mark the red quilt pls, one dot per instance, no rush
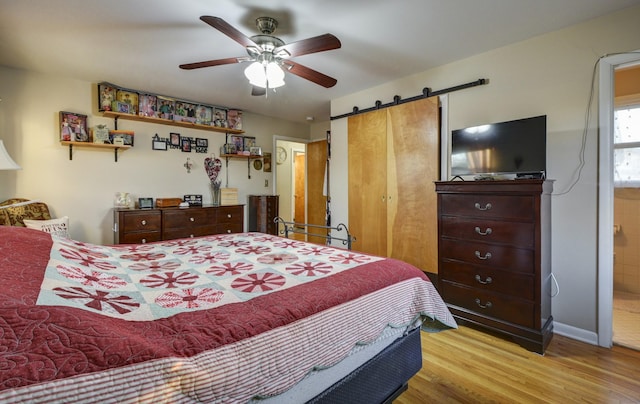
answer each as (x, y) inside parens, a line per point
(47, 347)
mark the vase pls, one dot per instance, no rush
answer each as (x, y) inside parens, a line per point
(215, 195)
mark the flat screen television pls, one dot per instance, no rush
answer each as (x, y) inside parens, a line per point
(514, 147)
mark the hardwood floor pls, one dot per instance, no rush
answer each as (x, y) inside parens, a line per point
(470, 366)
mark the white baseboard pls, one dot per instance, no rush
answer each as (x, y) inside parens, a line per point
(579, 334)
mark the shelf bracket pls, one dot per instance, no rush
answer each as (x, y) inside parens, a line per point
(70, 152)
(115, 123)
(227, 172)
(115, 151)
(249, 168)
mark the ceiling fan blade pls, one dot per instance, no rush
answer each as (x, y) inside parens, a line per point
(224, 27)
(319, 43)
(209, 63)
(255, 90)
(310, 74)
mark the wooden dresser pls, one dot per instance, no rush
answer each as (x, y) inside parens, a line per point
(494, 256)
(135, 226)
(263, 209)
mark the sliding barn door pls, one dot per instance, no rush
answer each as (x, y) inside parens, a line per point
(413, 130)
(316, 199)
(367, 143)
(393, 163)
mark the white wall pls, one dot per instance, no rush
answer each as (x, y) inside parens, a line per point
(84, 188)
(551, 75)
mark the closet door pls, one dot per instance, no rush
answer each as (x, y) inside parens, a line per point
(316, 199)
(413, 164)
(367, 143)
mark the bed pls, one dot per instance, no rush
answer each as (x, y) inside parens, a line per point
(234, 318)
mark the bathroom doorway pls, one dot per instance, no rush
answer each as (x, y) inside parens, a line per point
(626, 205)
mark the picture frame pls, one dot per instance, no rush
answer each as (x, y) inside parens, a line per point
(166, 107)
(228, 148)
(186, 144)
(266, 162)
(248, 142)
(128, 97)
(145, 203)
(238, 141)
(234, 119)
(193, 200)
(106, 95)
(73, 127)
(158, 144)
(204, 115)
(148, 105)
(174, 139)
(255, 151)
(202, 145)
(121, 107)
(219, 117)
(126, 137)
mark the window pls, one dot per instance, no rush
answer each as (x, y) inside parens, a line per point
(626, 144)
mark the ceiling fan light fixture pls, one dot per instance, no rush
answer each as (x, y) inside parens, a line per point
(265, 75)
(256, 75)
(275, 75)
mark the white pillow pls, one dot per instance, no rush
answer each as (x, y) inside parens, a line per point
(55, 227)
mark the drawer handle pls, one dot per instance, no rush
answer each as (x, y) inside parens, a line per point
(485, 257)
(192, 219)
(483, 306)
(144, 240)
(229, 231)
(484, 233)
(486, 207)
(229, 215)
(484, 282)
(191, 235)
(144, 222)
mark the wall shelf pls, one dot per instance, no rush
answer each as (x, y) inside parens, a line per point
(114, 147)
(239, 157)
(162, 121)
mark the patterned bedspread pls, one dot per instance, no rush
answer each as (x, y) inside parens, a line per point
(215, 319)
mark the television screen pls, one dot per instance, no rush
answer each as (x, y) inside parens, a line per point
(514, 147)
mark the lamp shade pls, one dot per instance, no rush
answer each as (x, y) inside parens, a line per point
(6, 162)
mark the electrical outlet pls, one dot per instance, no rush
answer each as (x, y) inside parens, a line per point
(266, 183)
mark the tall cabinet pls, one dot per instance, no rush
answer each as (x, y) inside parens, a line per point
(263, 209)
(393, 162)
(495, 256)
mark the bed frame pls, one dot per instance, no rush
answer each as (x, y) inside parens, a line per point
(287, 228)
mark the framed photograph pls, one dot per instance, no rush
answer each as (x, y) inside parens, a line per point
(73, 127)
(234, 119)
(145, 203)
(266, 162)
(158, 144)
(220, 117)
(122, 107)
(193, 200)
(204, 115)
(128, 97)
(186, 144)
(101, 134)
(106, 96)
(202, 145)
(122, 137)
(148, 105)
(248, 142)
(174, 139)
(255, 151)
(166, 107)
(238, 141)
(228, 148)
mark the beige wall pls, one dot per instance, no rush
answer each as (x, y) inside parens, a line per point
(550, 74)
(84, 188)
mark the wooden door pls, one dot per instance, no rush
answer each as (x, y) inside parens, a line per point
(367, 163)
(413, 132)
(316, 199)
(299, 188)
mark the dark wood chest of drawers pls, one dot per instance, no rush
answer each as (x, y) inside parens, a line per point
(135, 226)
(494, 245)
(263, 209)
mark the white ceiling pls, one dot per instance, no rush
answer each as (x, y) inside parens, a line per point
(140, 43)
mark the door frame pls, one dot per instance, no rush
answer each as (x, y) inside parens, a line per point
(274, 165)
(608, 64)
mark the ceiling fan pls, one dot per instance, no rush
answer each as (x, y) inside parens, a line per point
(270, 56)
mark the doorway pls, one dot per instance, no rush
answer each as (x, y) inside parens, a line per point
(606, 205)
(290, 179)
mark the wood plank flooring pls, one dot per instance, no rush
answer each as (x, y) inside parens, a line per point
(470, 366)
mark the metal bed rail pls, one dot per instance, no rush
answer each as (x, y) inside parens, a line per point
(297, 228)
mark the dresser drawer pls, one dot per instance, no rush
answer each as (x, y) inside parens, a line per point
(230, 214)
(488, 206)
(187, 217)
(228, 228)
(515, 284)
(520, 234)
(140, 237)
(186, 232)
(140, 221)
(495, 305)
(498, 256)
